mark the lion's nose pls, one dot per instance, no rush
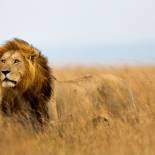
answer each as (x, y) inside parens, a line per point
(6, 72)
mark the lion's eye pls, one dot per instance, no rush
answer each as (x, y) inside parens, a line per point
(3, 61)
(16, 61)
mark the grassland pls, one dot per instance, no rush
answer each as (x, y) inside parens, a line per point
(71, 137)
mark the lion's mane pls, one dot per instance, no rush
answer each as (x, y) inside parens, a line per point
(32, 95)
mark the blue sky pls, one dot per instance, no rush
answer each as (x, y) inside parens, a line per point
(83, 31)
(105, 54)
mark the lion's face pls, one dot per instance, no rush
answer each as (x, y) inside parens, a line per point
(12, 68)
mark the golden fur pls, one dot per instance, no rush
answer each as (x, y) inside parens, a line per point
(26, 83)
(95, 98)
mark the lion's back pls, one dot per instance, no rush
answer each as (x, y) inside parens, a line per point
(102, 95)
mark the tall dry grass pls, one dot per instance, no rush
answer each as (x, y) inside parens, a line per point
(70, 136)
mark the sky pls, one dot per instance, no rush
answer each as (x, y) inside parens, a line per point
(83, 31)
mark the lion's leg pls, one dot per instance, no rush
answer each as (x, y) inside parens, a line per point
(53, 110)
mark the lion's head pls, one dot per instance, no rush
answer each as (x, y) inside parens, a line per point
(26, 83)
(21, 65)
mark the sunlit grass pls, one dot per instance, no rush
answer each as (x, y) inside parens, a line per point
(73, 135)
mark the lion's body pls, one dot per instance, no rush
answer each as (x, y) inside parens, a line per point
(26, 83)
(90, 97)
(27, 90)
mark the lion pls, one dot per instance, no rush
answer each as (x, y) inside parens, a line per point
(27, 86)
(98, 98)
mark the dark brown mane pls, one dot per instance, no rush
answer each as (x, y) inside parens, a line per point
(36, 94)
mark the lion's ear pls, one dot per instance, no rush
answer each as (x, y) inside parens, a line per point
(1, 51)
(33, 56)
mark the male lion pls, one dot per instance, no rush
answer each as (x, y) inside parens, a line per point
(26, 83)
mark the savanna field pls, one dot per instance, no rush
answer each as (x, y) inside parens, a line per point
(76, 136)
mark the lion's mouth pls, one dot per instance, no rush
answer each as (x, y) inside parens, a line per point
(8, 80)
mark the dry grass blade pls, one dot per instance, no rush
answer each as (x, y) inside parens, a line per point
(73, 135)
